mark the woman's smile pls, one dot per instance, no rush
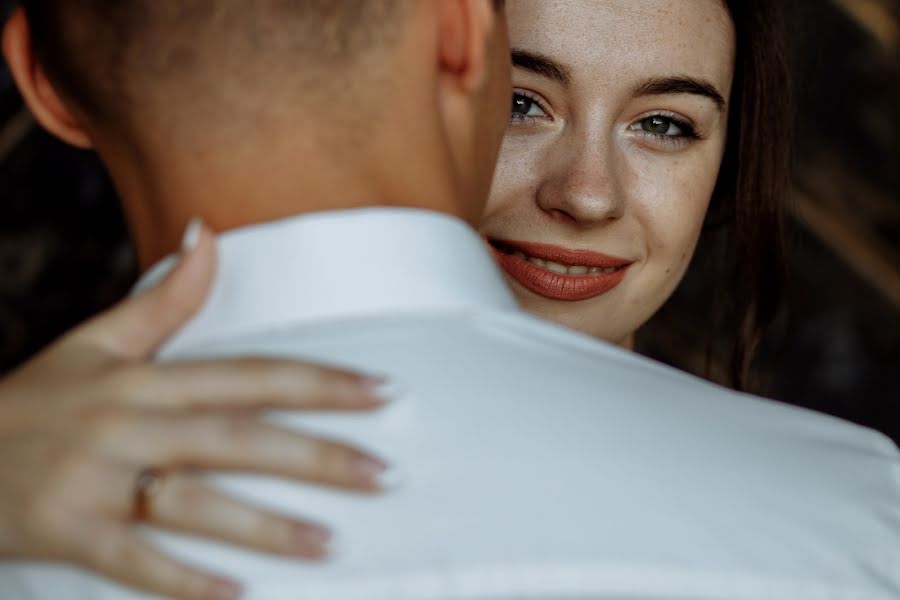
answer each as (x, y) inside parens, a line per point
(616, 133)
(558, 273)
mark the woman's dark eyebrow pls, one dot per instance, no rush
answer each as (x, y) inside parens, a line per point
(680, 85)
(542, 65)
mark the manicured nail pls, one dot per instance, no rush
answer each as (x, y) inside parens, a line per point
(192, 235)
(226, 590)
(313, 537)
(378, 474)
(333, 549)
(386, 390)
(391, 478)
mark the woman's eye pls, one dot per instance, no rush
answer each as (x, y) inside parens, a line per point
(523, 106)
(658, 125)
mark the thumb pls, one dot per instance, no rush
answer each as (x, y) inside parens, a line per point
(138, 326)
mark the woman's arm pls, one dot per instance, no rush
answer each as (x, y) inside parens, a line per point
(83, 420)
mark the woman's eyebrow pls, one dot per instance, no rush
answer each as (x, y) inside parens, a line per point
(542, 65)
(680, 85)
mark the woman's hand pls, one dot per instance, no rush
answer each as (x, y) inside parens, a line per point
(81, 421)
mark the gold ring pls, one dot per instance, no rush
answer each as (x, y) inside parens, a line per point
(146, 485)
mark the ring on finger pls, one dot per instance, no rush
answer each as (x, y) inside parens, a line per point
(146, 486)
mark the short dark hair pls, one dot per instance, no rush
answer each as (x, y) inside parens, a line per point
(110, 57)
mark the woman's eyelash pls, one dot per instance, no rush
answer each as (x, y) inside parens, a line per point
(688, 133)
(686, 128)
(534, 99)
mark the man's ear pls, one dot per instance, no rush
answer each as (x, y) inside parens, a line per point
(465, 30)
(37, 91)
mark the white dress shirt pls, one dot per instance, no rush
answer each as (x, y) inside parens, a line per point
(538, 463)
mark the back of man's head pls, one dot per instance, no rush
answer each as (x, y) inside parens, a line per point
(241, 111)
(146, 64)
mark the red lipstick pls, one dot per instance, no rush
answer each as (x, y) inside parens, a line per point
(559, 273)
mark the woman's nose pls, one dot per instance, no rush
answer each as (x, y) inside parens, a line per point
(583, 188)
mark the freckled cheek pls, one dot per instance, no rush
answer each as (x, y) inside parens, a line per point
(517, 175)
(670, 202)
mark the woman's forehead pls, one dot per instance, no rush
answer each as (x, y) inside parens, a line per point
(600, 38)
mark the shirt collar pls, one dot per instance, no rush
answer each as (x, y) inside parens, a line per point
(341, 265)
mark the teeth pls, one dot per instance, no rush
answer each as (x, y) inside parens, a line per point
(563, 269)
(557, 268)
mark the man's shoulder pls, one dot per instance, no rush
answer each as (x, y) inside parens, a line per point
(595, 360)
(592, 451)
(512, 352)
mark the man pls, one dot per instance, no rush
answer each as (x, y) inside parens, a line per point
(539, 464)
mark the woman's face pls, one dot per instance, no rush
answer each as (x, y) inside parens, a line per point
(615, 139)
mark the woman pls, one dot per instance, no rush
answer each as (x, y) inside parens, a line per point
(617, 133)
(628, 120)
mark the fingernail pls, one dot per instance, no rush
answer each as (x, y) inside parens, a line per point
(391, 478)
(191, 235)
(313, 537)
(226, 590)
(378, 474)
(333, 549)
(386, 390)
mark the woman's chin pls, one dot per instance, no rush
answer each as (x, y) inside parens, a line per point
(578, 316)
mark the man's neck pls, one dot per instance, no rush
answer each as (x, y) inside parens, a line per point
(251, 187)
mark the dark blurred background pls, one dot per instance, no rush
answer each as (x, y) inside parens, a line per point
(65, 252)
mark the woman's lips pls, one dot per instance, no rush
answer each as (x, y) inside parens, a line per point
(558, 273)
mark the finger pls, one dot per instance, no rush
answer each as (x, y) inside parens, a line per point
(117, 552)
(245, 384)
(138, 326)
(185, 504)
(215, 442)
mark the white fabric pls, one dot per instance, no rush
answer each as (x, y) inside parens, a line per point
(538, 463)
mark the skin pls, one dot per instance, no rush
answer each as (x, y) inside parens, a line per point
(79, 420)
(579, 171)
(581, 176)
(440, 111)
(94, 409)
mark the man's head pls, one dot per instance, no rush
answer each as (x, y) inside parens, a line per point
(184, 96)
(190, 63)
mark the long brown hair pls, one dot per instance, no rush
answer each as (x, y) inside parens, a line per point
(754, 182)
